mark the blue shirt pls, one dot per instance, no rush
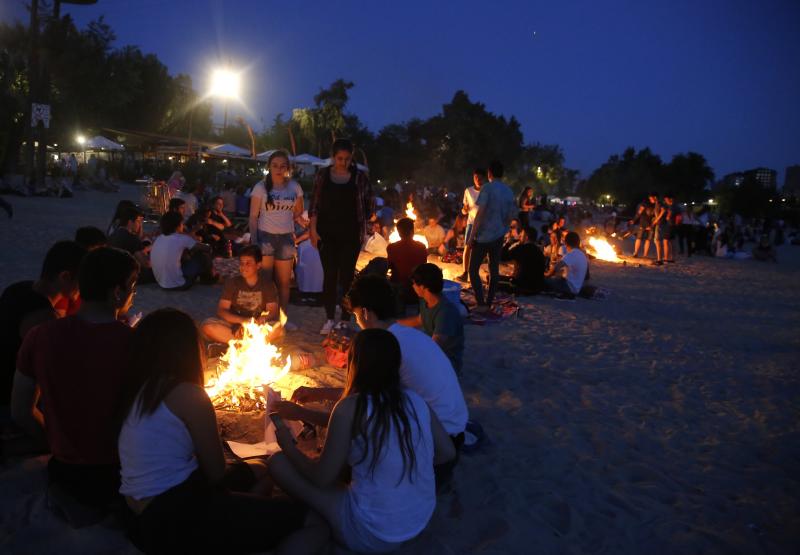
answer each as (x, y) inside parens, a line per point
(498, 206)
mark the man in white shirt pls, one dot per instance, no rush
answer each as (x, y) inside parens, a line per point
(470, 209)
(177, 259)
(573, 268)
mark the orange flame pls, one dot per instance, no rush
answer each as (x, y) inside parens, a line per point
(603, 250)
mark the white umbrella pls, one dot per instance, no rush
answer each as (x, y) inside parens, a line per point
(306, 159)
(99, 142)
(229, 150)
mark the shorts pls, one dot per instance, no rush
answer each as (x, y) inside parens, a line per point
(670, 233)
(468, 234)
(278, 245)
(643, 234)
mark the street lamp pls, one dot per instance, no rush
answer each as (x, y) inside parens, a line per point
(81, 140)
(225, 84)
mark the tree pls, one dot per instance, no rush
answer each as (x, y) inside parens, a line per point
(321, 124)
(688, 176)
(626, 179)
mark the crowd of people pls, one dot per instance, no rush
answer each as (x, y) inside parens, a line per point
(120, 404)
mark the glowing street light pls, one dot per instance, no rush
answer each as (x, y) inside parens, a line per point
(81, 140)
(225, 84)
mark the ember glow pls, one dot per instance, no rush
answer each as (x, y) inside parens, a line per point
(603, 250)
(410, 211)
(249, 364)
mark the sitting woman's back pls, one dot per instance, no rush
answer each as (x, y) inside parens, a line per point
(394, 499)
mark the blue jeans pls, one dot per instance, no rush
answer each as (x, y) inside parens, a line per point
(479, 252)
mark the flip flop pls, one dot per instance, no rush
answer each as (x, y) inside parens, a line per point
(474, 437)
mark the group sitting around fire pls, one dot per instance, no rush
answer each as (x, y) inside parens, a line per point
(139, 439)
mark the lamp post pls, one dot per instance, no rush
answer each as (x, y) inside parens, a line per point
(81, 140)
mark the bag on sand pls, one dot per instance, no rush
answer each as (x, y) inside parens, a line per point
(337, 343)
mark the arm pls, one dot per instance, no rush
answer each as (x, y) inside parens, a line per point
(443, 448)
(191, 404)
(24, 412)
(326, 470)
(477, 223)
(224, 312)
(411, 321)
(319, 394)
(293, 411)
(313, 207)
(556, 268)
(142, 258)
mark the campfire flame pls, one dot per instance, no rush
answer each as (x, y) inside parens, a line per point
(411, 214)
(603, 250)
(249, 364)
(410, 211)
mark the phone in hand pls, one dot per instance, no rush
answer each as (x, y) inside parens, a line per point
(277, 420)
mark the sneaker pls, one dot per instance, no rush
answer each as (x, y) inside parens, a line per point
(290, 326)
(565, 297)
(657, 263)
(327, 327)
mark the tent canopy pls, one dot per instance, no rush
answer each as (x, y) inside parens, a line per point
(98, 142)
(228, 150)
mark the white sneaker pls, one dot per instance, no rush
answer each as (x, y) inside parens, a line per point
(290, 326)
(327, 327)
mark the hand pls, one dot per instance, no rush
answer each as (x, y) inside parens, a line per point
(314, 238)
(304, 394)
(287, 410)
(284, 436)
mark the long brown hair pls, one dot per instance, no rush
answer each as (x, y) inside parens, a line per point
(165, 352)
(373, 375)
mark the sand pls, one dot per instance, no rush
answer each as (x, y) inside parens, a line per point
(663, 419)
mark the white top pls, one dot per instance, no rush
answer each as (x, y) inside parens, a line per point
(165, 258)
(428, 372)
(156, 453)
(470, 198)
(308, 271)
(394, 506)
(278, 218)
(576, 266)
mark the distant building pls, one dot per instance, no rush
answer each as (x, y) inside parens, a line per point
(767, 177)
(733, 179)
(791, 184)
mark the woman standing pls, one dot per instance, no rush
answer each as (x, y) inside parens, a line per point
(341, 206)
(389, 438)
(274, 205)
(526, 206)
(173, 472)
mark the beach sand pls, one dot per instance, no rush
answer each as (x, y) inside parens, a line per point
(663, 419)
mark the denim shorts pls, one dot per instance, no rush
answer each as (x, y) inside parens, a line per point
(279, 245)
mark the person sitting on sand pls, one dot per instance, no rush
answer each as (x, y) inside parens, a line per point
(173, 472)
(389, 439)
(69, 379)
(250, 295)
(405, 255)
(90, 238)
(572, 267)
(26, 304)
(425, 369)
(529, 267)
(121, 208)
(127, 237)
(434, 234)
(764, 250)
(438, 317)
(177, 259)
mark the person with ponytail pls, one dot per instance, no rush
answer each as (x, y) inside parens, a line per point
(390, 439)
(274, 205)
(341, 206)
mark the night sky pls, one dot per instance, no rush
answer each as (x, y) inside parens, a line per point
(720, 77)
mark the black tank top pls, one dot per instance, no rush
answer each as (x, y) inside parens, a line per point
(337, 215)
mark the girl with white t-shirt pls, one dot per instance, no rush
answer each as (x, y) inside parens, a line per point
(389, 438)
(275, 203)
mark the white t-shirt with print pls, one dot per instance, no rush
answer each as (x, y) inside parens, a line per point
(470, 198)
(278, 218)
(165, 258)
(427, 371)
(576, 266)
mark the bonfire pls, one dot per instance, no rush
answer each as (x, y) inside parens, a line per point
(411, 214)
(250, 364)
(602, 250)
